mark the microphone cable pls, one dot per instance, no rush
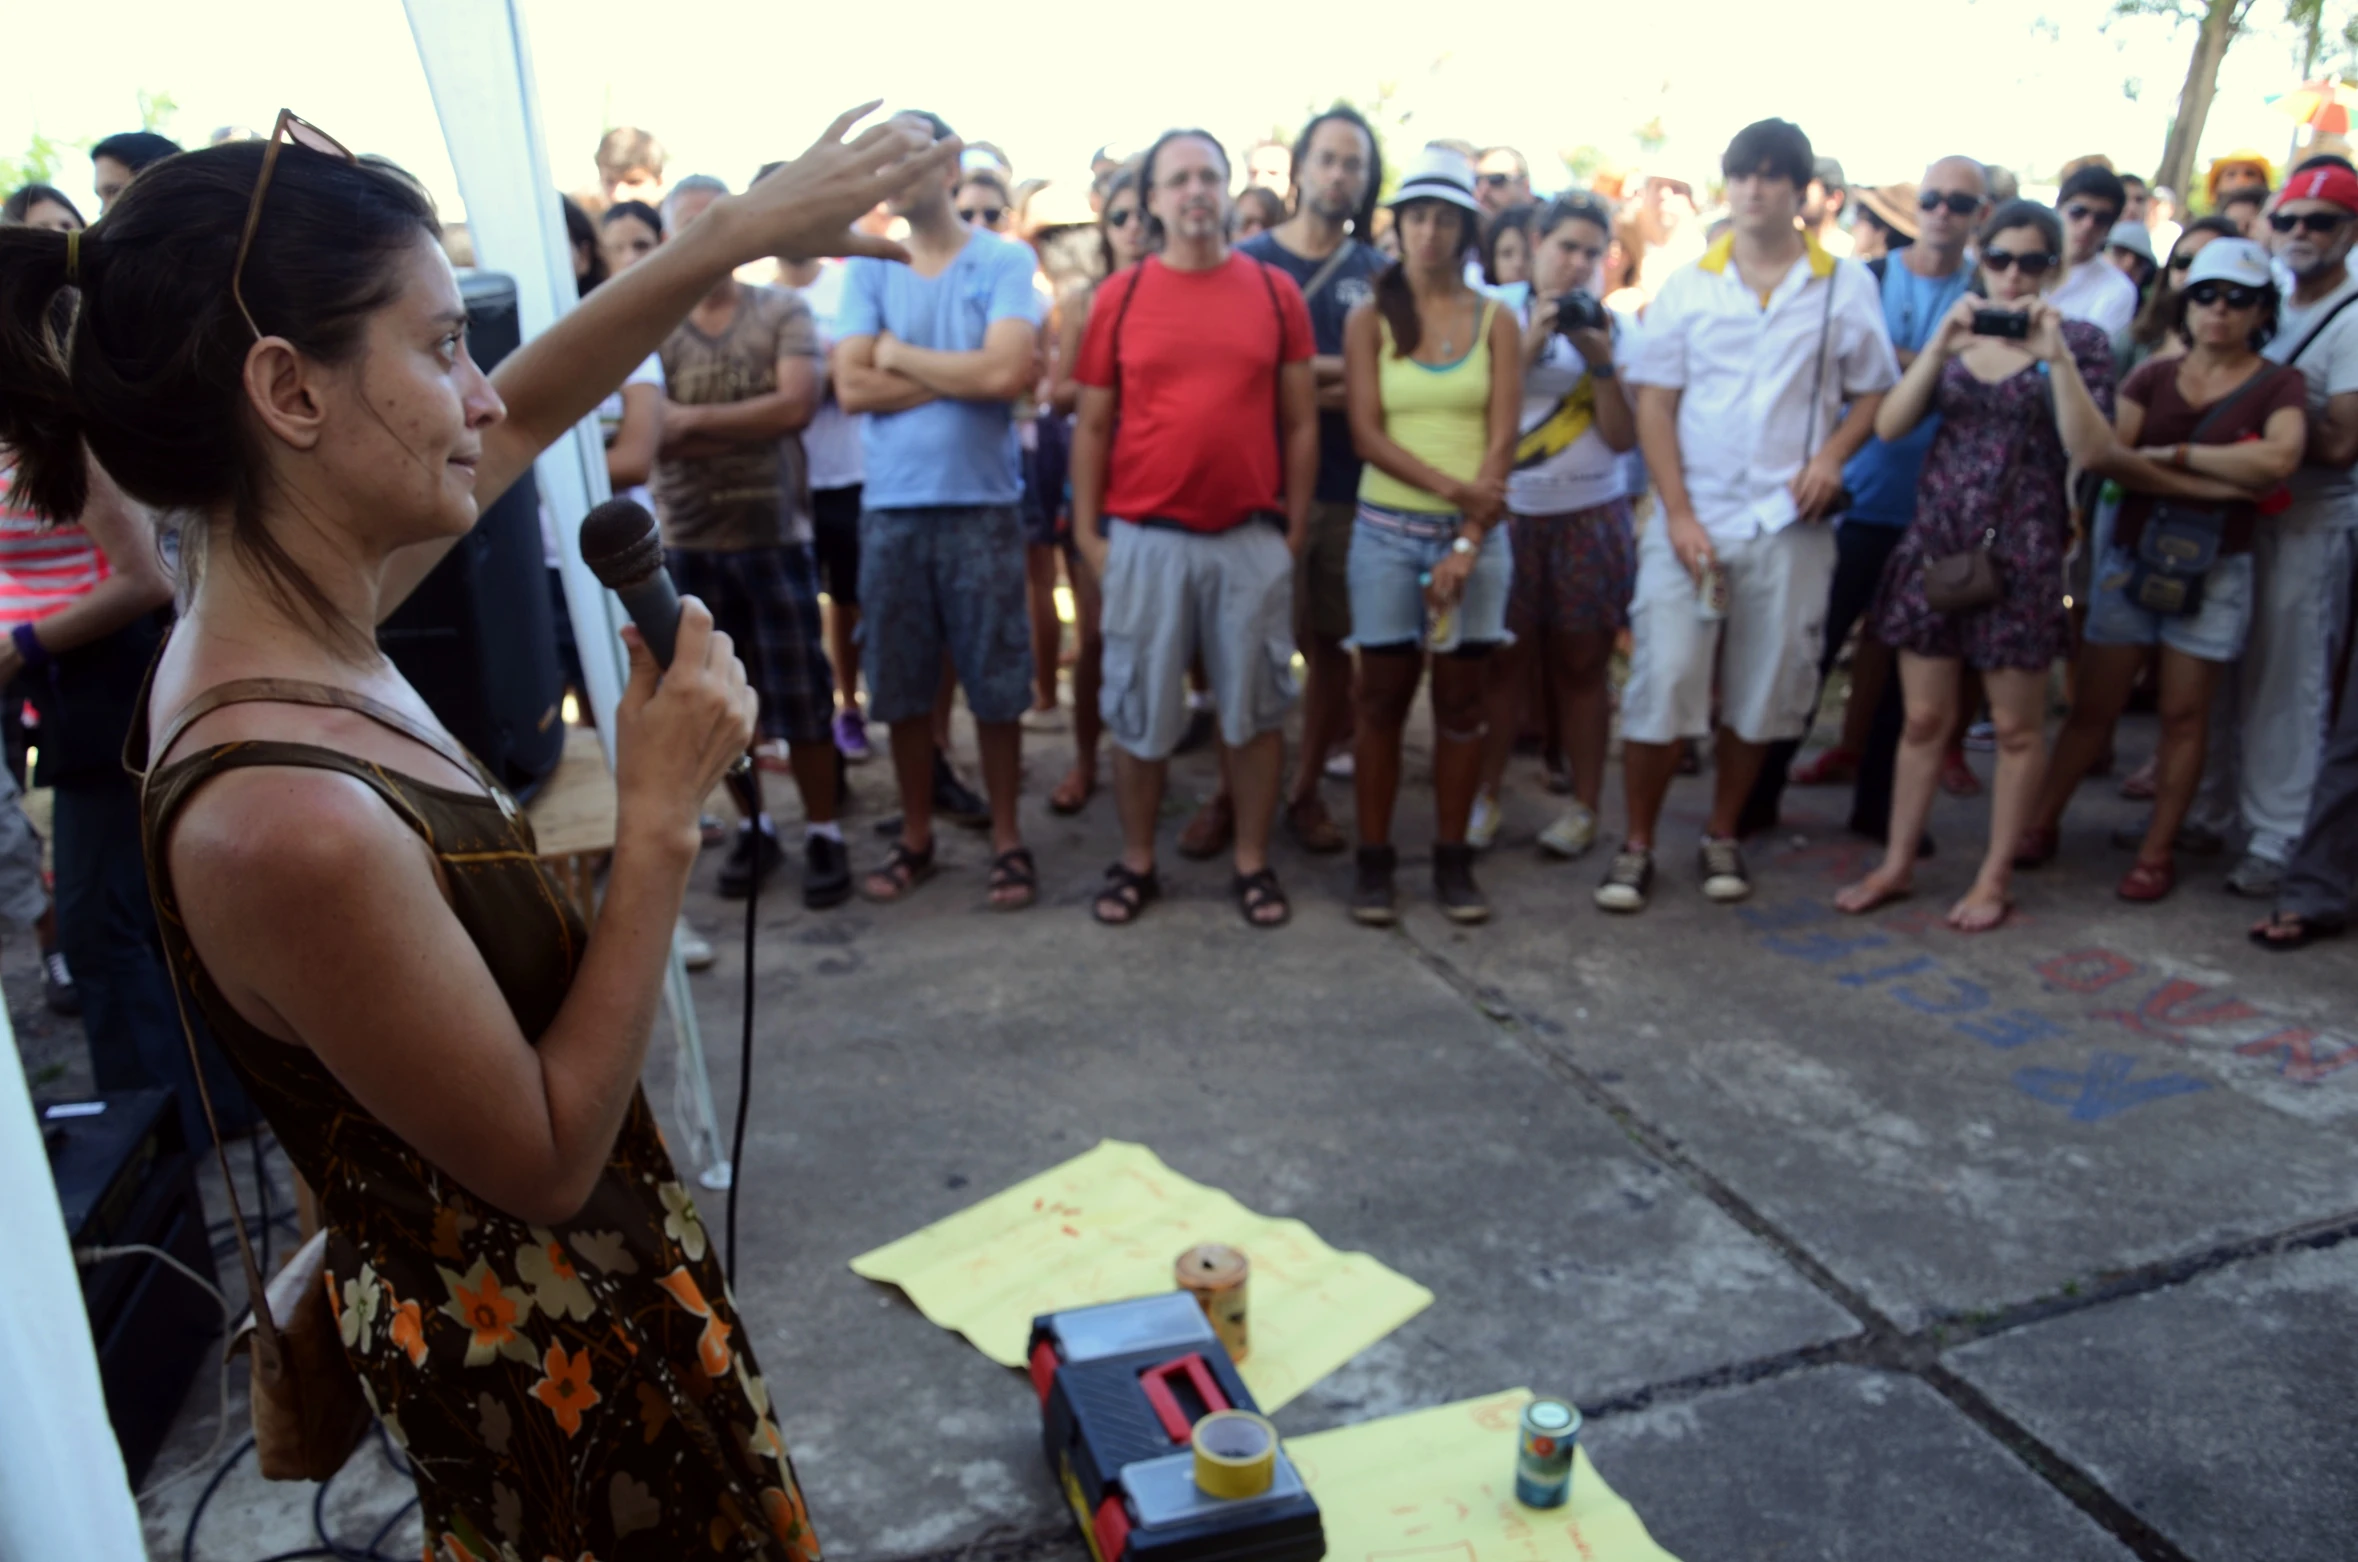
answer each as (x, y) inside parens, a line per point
(751, 794)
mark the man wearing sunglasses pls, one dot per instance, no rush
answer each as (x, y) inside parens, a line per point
(1920, 285)
(2269, 719)
(1502, 179)
(2093, 288)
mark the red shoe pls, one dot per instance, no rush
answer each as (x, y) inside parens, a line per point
(2035, 848)
(1837, 766)
(2148, 881)
(1957, 777)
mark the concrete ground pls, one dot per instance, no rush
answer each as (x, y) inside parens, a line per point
(1856, 1239)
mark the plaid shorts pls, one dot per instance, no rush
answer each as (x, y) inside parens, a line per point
(766, 600)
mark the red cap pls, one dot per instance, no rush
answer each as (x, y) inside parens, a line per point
(2327, 183)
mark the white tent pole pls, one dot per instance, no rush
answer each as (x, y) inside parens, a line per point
(480, 71)
(63, 1490)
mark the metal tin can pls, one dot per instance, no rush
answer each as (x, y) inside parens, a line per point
(1219, 1278)
(1543, 1453)
(1711, 593)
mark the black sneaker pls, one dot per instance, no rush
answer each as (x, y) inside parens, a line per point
(1453, 884)
(1372, 899)
(1627, 880)
(749, 861)
(954, 800)
(1721, 866)
(826, 872)
(57, 984)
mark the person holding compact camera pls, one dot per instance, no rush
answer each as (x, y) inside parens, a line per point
(2203, 445)
(1977, 580)
(1575, 548)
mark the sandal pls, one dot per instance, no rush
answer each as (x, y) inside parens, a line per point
(1256, 893)
(2148, 881)
(2297, 931)
(902, 872)
(1072, 794)
(1126, 896)
(1014, 870)
(1836, 766)
(1312, 827)
(1210, 831)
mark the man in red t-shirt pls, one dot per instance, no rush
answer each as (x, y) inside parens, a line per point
(1197, 440)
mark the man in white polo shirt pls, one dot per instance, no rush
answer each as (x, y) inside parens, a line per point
(1747, 362)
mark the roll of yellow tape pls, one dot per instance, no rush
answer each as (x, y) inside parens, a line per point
(1235, 1454)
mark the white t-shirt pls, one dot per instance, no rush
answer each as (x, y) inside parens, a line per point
(1744, 367)
(649, 372)
(2324, 498)
(831, 443)
(1562, 462)
(2098, 292)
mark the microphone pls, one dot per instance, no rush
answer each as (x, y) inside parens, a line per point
(622, 548)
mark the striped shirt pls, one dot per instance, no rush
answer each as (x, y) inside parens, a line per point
(43, 568)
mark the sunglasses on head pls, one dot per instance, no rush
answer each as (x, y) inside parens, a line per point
(2081, 213)
(2315, 222)
(2209, 293)
(1122, 218)
(290, 127)
(988, 216)
(2035, 264)
(1956, 201)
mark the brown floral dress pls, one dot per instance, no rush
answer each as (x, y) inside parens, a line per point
(582, 1392)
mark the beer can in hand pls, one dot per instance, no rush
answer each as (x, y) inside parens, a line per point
(1711, 593)
(1549, 1431)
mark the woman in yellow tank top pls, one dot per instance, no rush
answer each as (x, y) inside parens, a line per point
(1435, 390)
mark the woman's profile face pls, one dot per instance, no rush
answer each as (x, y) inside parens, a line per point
(2189, 246)
(1511, 259)
(1125, 229)
(626, 241)
(401, 428)
(50, 215)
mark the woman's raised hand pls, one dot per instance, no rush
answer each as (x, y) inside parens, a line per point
(806, 209)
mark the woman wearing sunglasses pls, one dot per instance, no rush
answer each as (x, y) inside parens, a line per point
(270, 343)
(2202, 444)
(2154, 333)
(1992, 485)
(1121, 229)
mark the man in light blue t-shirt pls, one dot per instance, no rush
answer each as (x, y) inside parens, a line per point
(936, 352)
(1921, 284)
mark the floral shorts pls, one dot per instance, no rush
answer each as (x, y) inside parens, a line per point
(1574, 573)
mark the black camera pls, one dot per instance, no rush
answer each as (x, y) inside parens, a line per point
(1578, 311)
(2012, 324)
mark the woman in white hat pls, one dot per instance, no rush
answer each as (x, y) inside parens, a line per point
(2203, 444)
(1434, 382)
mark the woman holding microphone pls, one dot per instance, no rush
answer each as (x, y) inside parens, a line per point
(270, 343)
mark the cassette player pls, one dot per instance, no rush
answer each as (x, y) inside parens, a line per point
(1157, 1443)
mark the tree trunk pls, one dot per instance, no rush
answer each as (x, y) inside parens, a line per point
(2220, 23)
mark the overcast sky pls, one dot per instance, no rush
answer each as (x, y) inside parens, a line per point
(728, 85)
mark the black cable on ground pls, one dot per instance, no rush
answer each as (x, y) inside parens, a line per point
(745, 1048)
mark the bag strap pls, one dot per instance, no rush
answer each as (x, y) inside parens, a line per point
(1817, 388)
(2218, 408)
(1122, 313)
(2319, 328)
(1326, 273)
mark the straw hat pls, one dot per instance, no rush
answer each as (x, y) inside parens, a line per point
(1894, 206)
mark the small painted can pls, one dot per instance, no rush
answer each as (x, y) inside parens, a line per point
(1711, 593)
(1220, 1279)
(1543, 1453)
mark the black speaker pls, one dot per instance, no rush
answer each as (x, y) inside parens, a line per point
(477, 638)
(123, 1176)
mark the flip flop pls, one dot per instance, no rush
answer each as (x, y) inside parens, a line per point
(2306, 931)
(2004, 916)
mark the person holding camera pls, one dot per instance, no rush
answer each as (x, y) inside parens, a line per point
(2203, 445)
(1575, 549)
(1746, 365)
(1977, 579)
(1433, 373)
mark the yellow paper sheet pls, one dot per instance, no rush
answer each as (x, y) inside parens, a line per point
(1108, 1225)
(1439, 1486)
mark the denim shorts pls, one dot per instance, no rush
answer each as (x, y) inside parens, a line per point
(945, 578)
(2213, 632)
(1387, 593)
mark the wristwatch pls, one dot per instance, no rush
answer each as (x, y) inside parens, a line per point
(1603, 371)
(1462, 543)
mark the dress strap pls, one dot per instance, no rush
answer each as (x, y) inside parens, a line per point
(297, 691)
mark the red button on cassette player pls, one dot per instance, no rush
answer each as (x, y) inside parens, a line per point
(1121, 1388)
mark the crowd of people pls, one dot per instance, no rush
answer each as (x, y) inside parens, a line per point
(1418, 430)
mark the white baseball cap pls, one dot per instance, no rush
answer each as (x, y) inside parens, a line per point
(2239, 262)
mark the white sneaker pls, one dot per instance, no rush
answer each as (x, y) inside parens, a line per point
(1573, 834)
(695, 949)
(1482, 824)
(1341, 765)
